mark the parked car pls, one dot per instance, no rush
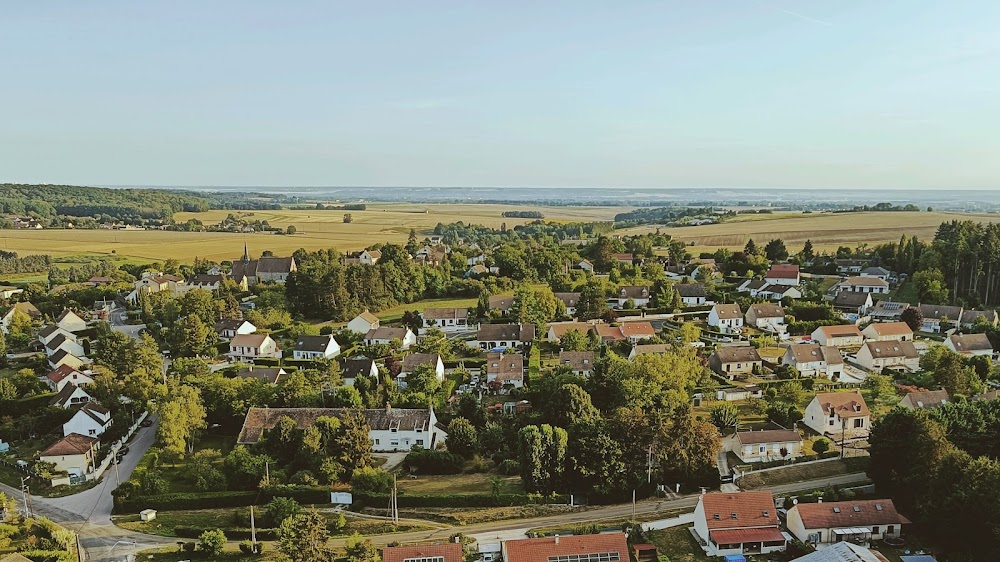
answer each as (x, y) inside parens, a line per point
(146, 423)
(123, 451)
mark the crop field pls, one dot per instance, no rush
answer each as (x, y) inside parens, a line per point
(826, 230)
(315, 230)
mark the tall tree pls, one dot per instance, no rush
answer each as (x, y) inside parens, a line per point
(304, 538)
(181, 416)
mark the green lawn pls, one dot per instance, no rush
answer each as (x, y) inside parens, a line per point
(677, 544)
(395, 313)
(905, 292)
(478, 483)
(802, 473)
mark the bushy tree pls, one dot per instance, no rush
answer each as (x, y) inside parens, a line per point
(463, 439)
(212, 542)
(304, 537)
(725, 415)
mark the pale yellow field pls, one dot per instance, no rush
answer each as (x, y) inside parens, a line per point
(826, 230)
(315, 230)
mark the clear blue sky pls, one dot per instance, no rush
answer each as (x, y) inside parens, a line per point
(686, 93)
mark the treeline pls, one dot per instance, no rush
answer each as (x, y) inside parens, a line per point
(539, 232)
(49, 201)
(879, 207)
(345, 207)
(523, 214)
(659, 215)
(941, 469)
(11, 263)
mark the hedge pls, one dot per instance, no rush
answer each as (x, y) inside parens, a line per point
(457, 500)
(211, 500)
(468, 362)
(233, 534)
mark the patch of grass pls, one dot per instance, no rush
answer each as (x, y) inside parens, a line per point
(905, 292)
(470, 516)
(478, 483)
(802, 473)
(677, 544)
(395, 313)
(171, 554)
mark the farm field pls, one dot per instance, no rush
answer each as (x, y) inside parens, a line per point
(315, 230)
(826, 230)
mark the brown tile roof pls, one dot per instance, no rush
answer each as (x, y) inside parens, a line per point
(15, 557)
(690, 289)
(970, 342)
(61, 373)
(450, 552)
(892, 348)
(505, 366)
(841, 331)
(569, 299)
(865, 282)
(846, 404)
(736, 354)
(891, 328)
(767, 436)
(651, 348)
(854, 513)
(27, 308)
(637, 329)
(988, 395)
(728, 311)
(446, 313)
(577, 360)
(501, 302)
(269, 374)
(249, 340)
(767, 310)
(386, 333)
(937, 311)
(609, 333)
(623, 257)
(562, 328)
(926, 399)
(523, 333)
(260, 419)
(414, 360)
(812, 352)
(368, 317)
(633, 292)
(752, 509)
(72, 444)
(544, 548)
(782, 271)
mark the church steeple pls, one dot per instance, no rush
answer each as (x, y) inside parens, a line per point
(246, 253)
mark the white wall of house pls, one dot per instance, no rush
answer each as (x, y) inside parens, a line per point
(85, 425)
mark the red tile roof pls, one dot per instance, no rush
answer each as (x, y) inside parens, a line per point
(846, 404)
(637, 329)
(854, 513)
(72, 444)
(451, 552)
(541, 549)
(782, 271)
(752, 509)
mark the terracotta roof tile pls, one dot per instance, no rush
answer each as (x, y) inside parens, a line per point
(449, 552)
(752, 509)
(853, 513)
(543, 549)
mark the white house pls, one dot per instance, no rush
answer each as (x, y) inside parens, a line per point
(579, 362)
(733, 523)
(364, 257)
(363, 323)
(778, 292)
(727, 318)
(838, 414)
(70, 396)
(767, 317)
(765, 445)
(91, 420)
(504, 370)
(692, 294)
(65, 374)
(353, 367)
(875, 271)
(25, 308)
(414, 360)
(815, 360)
(845, 335)
(935, 313)
(969, 344)
(446, 319)
(63, 357)
(492, 336)
(782, 274)
(247, 347)
(637, 294)
(74, 454)
(586, 265)
(854, 303)
(69, 344)
(390, 429)
(734, 360)
(570, 301)
(387, 334)
(877, 355)
(316, 347)
(636, 332)
(230, 328)
(873, 285)
(887, 331)
(70, 322)
(52, 331)
(852, 521)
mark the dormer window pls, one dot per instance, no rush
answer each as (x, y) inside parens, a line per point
(717, 517)
(733, 515)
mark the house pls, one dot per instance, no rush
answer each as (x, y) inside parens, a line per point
(475, 260)
(63, 357)
(636, 332)
(156, 282)
(25, 308)
(815, 360)
(691, 294)
(752, 286)
(390, 429)
(766, 445)
(267, 269)
(71, 322)
(969, 345)
(925, 399)
(91, 420)
(477, 270)
(625, 259)
(738, 523)
(845, 335)
(247, 347)
(934, 314)
(850, 521)
(500, 302)
(887, 331)
(570, 301)
(845, 266)
(446, 319)
(504, 370)
(604, 547)
(608, 333)
(69, 396)
(270, 375)
(734, 360)
(987, 317)
(61, 342)
(586, 265)
(353, 367)
(778, 292)
(579, 362)
(230, 328)
(447, 552)
(316, 347)
(840, 414)
(559, 329)
(876, 272)
(873, 285)
(492, 336)
(7, 291)
(737, 393)
(854, 303)
(637, 294)
(887, 311)
(51, 331)
(364, 257)
(877, 355)
(414, 360)
(783, 274)
(726, 318)
(74, 454)
(648, 349)
(363, 323)
(767, 317)
(387, 334)
(848, 552)
(65, 374)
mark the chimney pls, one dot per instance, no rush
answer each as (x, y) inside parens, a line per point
(388, 407)
(557, 539)
(819, 499)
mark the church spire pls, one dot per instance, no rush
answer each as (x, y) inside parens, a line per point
(246, 253)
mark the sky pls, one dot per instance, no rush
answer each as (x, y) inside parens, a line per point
(825, 94)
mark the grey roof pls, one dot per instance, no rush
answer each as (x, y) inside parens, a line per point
(853, 299)
(414, 360)
(875, 271)
(969, 316)
(734, 354)
(353, 367)
(386, 333)
(970, 342)
(523, 333)
(936, 311)
(690, 290)
(893, 348)
(228, 324)
(382, 419)
(269, 374)
(205, 279)
(577, 360)
(64, 395)
(270, 264)
(317, 344)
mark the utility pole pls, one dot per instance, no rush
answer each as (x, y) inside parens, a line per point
(25, 492)
(267, 474)
(843, 437)
(633, 505)
(118, 478)
(649, 465)
(253, 529)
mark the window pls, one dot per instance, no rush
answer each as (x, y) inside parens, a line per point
(394, 443)
(376, 441)
(859, 422)
(595, 557)
(420, 442)
(425, 559)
